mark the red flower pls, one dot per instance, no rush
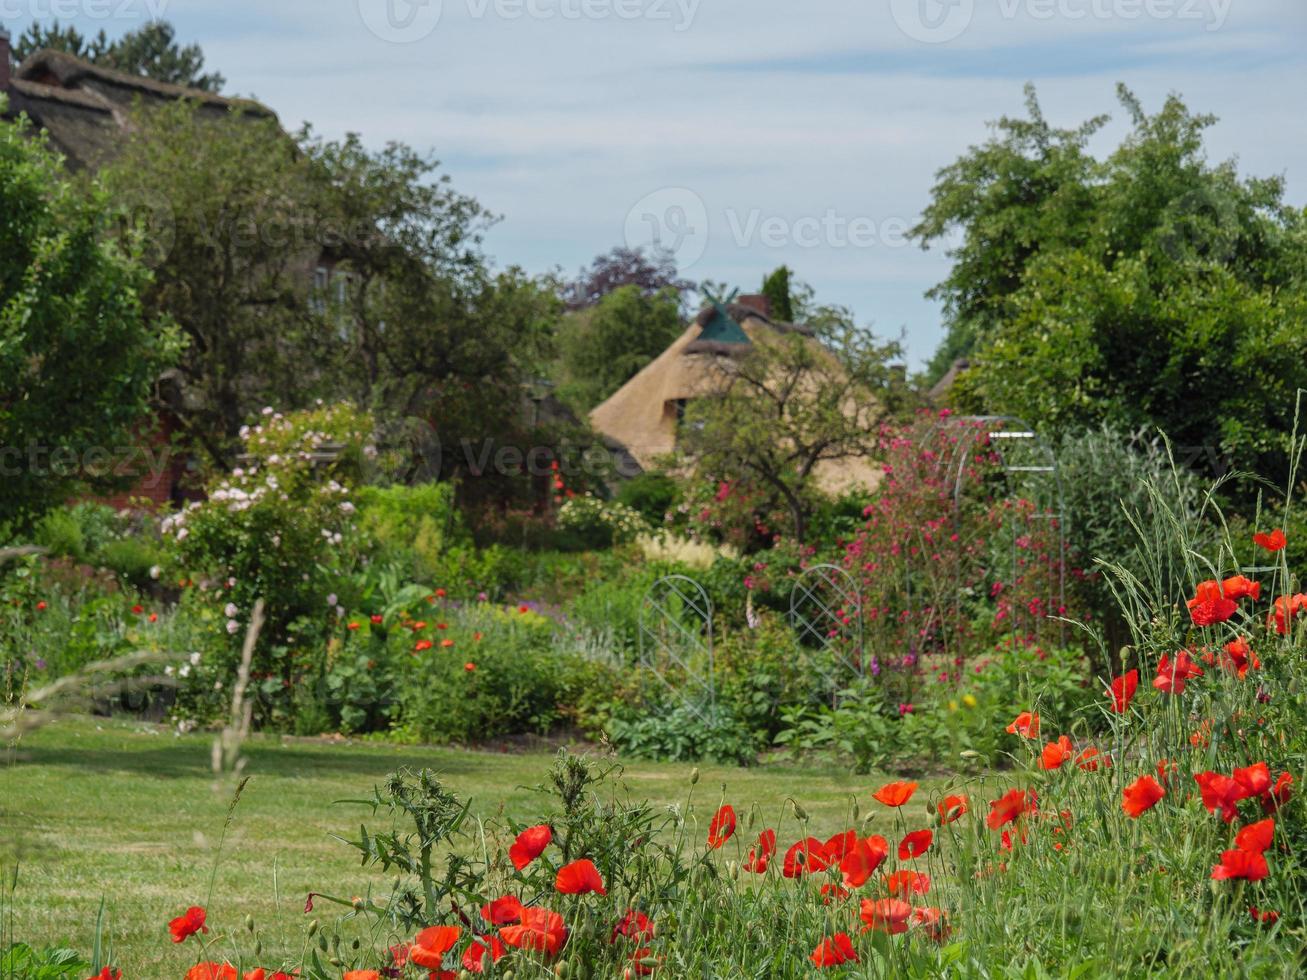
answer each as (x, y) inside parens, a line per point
(762, 854)
(1256, 837)
(1218, 792)
(1286, 608)
(470, 667)
(1171, 675)
(1009, 807)
(1275, 541)
(107, 974)
(834, 951)
(643, 961)
(211, 971)
(895, 794)
(352, 627)
(1090, 759)
(1025, 724)
(1277, 795)
(634, 925)
(1143, 794)
(861, 862)
(803, 857)
(838, 846)
(422, 646)
(376, 975)
(187, 924)
(474, 957)
(1267, 917)
(1239, 657)
(915, 844)
(886, 914)
(541, 931)
(951, 807)
(446, 643)
(431, 945)
(1253, 780)
(907, 882)
(1122, 690)
(579, 878)
(1240, 864)
(1237, 587)
(1208, 606)
(502, 911)
(530, 844)
(41, 606)
(1055, 753)
(933, 922)
(833, 893)
(376, 620)
(722, 827)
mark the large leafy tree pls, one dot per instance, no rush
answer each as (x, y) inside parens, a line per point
(151, 50)
(79, 353)
(651, 272)
(1148, 288)
(789, 405)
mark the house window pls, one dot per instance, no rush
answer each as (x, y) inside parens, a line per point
(318, 294)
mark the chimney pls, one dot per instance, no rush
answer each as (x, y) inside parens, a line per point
(6, 69)
(756, 302)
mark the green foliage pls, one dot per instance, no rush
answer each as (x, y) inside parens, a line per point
(603, 347)
(682, 734)
(1149, 288)
(21, 962)
(654, 495)
(601, 522)
(151, 50)
(412, 526)
(776, 287)
(79, 353)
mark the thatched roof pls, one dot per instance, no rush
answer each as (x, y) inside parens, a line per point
(944, 386)
(85, 108)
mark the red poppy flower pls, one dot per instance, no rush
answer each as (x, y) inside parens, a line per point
(1278, 795)
(1122, 690)
(634, 925)
(502, 911)
(1275, 541)
(1009, 807)
(1143, 794)
(1209, 606)
(376, 620)
(1253, 780)
(1218, 792)
(422, 646)
(1237, 587)
(722, 827)
(1090, 759)
(474, 957)
(352, 627)
(932, 921)
(759, 856)
(895, 794)
(1055, 753)
(530, 844)
(541, 931)
(579, 878)
(951, 807)
(108, 973)
(431, 945)
(643, 962)
(861, 862)
(886, 914)
(834, 951)
(1267, 917)
(41, 606)
(1285, 609)
(446, 643)
(803, 857)
(1256, 837)
(1240, 864)
(838, 846)
(211, 971)
(915, 844)
(1172, 674)
(376, 975)
(907, 882)
(1239, 657)
(831, 892)
(440, 593)
(187, 924)
(1025, 724)
(470, 667)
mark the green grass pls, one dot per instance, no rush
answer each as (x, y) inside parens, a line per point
(132, 814)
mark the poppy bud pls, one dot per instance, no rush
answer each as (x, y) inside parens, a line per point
(561, 970)
(322, 942)
(733, 870)
(800, 812)
(969, 754)
(694, 775)
(313, 927)
(335, 941)
(258, 947)
(1125, 656)
(856, 811)
(336, 961)
(249, 923)
(748, 819)
(354, 944)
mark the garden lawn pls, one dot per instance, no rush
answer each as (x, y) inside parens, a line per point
(131, 814)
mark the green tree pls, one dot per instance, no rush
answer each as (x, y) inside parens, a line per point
(151, 50)
(776, 287)
(79, 355)
(788, 405)
(1151, 288)
(603, 347)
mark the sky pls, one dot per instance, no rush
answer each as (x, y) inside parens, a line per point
(741, 134)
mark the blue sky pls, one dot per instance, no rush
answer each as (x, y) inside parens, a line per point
(745, 133)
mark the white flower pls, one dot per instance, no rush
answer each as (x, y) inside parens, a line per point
(217, 685)
(238, 472)
(347, 507)
(181, 535)
(168, 671)
(267, 411)
(340, 612)
(155, 571)
(331, 599)
(232, 611)
(184, 670)
(195, 659)
(233, 627)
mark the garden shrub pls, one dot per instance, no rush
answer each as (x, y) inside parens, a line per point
(413, 526)
(680, 733)
(652, 495)
(601, 522)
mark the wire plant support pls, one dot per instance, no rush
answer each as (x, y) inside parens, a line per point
(826, 618)
(676, 641)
